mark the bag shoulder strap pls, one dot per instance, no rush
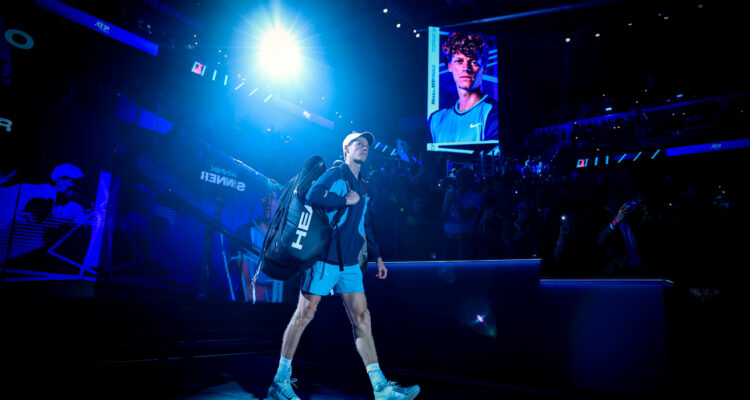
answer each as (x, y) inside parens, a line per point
(340, 212)
(335, 223)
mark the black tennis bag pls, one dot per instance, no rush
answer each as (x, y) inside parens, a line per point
(298, 234)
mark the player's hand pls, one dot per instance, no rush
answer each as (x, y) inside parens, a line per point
(352, 198)
(382, 270)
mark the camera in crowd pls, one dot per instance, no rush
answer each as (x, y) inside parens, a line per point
(633, 204)
(447, 183)
(463, 176)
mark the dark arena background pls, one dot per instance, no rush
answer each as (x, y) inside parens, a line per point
(144, 145)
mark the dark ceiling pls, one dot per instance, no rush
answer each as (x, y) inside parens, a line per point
(364, 63)
(669, 46)
(663, 47)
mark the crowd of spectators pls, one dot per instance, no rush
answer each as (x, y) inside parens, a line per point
(580, 224)
(670, 125)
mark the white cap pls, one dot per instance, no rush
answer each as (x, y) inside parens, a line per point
(354, 135)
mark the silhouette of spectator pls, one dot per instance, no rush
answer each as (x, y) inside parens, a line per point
(461, 207)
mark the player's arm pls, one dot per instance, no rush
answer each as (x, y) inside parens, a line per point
(320, 194)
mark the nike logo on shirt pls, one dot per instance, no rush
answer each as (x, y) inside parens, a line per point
(475, 125)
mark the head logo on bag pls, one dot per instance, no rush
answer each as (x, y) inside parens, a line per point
(298, 233)
(303, 226)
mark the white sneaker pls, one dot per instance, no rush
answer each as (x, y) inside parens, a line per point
(392, 391)
(281, 389)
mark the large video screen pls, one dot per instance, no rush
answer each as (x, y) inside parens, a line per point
(462, 91)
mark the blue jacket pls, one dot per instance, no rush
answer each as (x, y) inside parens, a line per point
(328, 192)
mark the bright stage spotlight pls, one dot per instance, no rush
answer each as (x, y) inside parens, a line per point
(279, 53)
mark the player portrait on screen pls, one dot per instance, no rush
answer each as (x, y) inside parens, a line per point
(474, 115)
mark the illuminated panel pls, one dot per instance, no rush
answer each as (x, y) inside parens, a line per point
(163, 125)
(437, 147)
(147, 119)
(98, 25)
(198, 68)
(467, 147)
(529, 264)
(433, 70)
(708, 147)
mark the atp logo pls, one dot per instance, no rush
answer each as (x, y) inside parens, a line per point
(102, 26)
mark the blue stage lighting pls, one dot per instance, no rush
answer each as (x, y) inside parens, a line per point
(279, 53)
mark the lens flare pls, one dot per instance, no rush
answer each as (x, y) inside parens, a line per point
(279, 52)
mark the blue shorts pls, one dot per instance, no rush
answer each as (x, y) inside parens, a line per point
(323, 278)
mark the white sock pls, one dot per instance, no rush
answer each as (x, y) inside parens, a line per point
(376, 376)
(285, 367)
